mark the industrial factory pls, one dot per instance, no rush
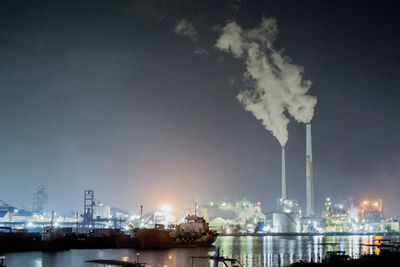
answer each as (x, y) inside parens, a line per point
(242, 217)
(287, 219)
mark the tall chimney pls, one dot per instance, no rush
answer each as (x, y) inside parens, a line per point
(309, 173)
(283, 175)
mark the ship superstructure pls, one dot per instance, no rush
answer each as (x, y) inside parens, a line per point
(193, 232)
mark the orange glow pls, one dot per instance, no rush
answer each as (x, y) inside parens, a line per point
(377, 250)
(377, 205)
(367, 207)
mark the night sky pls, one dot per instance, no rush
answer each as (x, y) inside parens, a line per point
(113, 96)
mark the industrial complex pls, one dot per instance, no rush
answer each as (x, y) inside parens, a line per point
(239, 218)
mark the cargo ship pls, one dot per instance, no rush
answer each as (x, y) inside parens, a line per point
(193, 232)
(55, 238)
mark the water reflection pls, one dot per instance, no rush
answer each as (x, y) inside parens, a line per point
(266, 251)
(38, 262)
(283, 251)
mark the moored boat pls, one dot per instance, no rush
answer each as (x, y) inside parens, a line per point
(154, 238)
(193, 232)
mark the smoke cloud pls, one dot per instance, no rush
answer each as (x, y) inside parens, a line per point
(186, 28)
(278, 83)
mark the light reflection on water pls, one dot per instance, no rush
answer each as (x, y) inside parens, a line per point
(270, 251)
(265, 251)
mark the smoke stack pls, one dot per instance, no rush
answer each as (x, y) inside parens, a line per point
(309, 173)
(283, 174)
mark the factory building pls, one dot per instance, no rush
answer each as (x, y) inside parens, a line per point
(39, 200)
(100, 211)
(286, 222)
(239, 217)
(9, 214)
(219, 224)
(383, 227)
(336, 218)
(371, 211)
(287, 218)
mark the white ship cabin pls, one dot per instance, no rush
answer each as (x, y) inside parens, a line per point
(194, 224)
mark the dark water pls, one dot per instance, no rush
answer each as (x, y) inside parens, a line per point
(251, 251)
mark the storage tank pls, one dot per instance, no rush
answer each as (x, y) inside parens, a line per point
(286, 222)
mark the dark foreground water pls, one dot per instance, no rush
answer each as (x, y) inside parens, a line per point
(251, 251)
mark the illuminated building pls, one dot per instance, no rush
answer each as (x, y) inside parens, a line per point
(371, 211)
(287, 219)
(336, 218)
(39, 200)
(242, 216)
(220, 225)
(101, 211)
(9, 214)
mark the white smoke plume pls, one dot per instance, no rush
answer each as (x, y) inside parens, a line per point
(278, 83)
(186, 28)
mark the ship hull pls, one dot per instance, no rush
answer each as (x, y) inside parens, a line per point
(160, 239)
(204, 241)
(154, 239)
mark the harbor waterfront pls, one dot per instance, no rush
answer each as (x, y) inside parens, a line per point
(249, 250)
